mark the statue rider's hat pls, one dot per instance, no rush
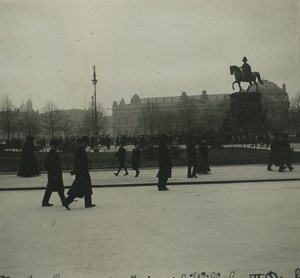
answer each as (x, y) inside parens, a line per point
(245, 59)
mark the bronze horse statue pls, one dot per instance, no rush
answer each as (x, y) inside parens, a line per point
(238, 74)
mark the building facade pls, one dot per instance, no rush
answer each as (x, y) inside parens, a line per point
(127, 117)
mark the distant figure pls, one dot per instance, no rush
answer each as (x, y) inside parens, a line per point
(136, 159)
(286, 151)
(28, 164)
(121, 155)
(164, 164)
(191, 158)
(203, 158)
(55, 180)
(82, 185)
(246, 70)
(274, 153)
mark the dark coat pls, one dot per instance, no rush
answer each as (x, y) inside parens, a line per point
(286, 151)
(121, 155)
(203, 158)
(191, 153)
(28, 166)
(275, 154)
(53, 166)
(164, 162)
(82, 184)
(136, 159)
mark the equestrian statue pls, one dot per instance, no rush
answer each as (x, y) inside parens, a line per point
(244, 74)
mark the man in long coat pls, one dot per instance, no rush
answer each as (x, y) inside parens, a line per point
(82, 185)
(121, 155)
(191, 158)
(164, 164)
(136, 159)
(55, 180)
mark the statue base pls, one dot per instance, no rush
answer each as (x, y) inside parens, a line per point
(246, 112)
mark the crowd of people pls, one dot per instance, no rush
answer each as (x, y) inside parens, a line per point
(197, 163)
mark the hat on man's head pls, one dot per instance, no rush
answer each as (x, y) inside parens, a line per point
(54, 142)
(245, 59)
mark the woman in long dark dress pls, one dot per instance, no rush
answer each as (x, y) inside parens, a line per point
(28, 166)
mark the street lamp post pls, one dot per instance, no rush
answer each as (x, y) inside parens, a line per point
(95, 101)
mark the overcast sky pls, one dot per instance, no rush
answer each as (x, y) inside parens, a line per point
(152, 48)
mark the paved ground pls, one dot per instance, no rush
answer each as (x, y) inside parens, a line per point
(147, 177)
(247, 228)
(243, 219)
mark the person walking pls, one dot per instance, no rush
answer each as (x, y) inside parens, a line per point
(54, 174)
(274, 153)
(121, 155)
(82, 185)
(136, 159)
(286, 153)
(28, 166)
(191, 158)
(203, 157)
(164, 164)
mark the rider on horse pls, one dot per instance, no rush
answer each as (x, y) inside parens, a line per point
(246, 70)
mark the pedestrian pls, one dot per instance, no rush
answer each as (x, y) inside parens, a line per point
(136, 159)
(121, 155)
(82, 185)
(54, 174)
(191, 158)
(203, 157)
(164, 164)
(274, 153)
(28, 166)
(286, 153)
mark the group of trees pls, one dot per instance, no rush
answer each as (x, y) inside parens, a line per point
(51, 121)
(185, 117)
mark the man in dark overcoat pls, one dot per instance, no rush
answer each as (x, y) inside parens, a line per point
(54, 173)
(203, 157)
(121, 155)
(136, 159)
(28, 163)
(286, 152)
(191, 158)
(82, 185)
(275, 153)
(164, 164)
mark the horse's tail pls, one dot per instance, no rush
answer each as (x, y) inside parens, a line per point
(258, 77)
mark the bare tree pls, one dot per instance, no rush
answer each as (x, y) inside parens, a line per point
(29, 122)
(52, 117)
(8, 116)
(187, 113)
(66, 124)
(149, 117)
(295, 103)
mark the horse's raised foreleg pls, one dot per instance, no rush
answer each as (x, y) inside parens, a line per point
(233, 84)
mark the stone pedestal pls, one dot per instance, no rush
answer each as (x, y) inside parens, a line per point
(246, 112)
